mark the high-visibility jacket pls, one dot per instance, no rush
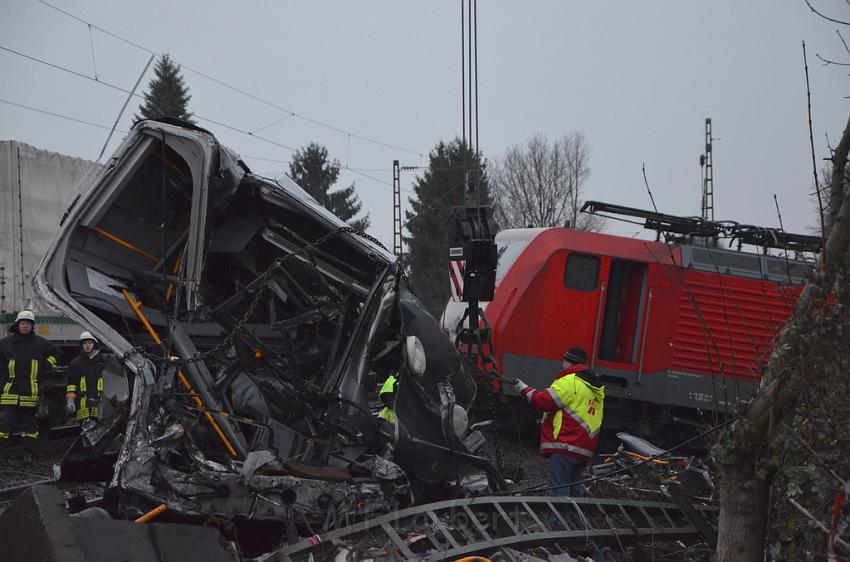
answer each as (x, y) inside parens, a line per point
(85, 381)
(22, 360)
(572, 414)
(388, 387)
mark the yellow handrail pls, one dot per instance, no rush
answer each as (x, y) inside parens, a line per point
(151, 514)
(126, 244)
(137, 308)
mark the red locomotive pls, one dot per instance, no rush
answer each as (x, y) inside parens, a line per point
(674, 328)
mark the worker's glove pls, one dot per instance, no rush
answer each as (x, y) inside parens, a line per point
(515, 384)
(70, 406)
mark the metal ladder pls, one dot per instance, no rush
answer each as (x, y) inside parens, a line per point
(484, 526)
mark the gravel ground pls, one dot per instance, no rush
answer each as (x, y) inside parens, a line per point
(21, 466)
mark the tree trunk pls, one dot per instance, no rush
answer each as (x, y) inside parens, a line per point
(743, 449)
(743, 519)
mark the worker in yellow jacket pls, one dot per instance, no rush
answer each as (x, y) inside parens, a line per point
(387, 397)
(572, 417)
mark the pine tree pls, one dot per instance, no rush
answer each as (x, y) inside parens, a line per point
(316, 174)
(167, 95)
(430, 223)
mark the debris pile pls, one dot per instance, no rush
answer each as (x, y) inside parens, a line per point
(248, 326)
(249, 329)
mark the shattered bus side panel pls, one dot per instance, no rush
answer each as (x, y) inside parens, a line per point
(251, 321)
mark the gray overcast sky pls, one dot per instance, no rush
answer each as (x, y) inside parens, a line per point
(638, 78)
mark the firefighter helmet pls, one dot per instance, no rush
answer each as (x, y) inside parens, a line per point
(25, 315)
(86, 336)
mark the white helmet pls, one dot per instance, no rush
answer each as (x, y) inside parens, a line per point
(87, 336)
(25, 315)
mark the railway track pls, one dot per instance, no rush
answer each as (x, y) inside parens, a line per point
(22, 467)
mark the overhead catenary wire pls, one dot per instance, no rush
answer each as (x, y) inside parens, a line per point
(237, 89)
(59, 115)
(201, 117)
(107, 127)
(132, 94)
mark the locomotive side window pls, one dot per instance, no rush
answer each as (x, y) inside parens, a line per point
(582, 272)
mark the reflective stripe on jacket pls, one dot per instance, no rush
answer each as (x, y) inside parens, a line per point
(85, 381)
(22, 360)
(387, 414)
(388, 387)
(572, 414)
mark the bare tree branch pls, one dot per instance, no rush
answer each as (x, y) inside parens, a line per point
(817, 522)
(827, 62)
(540, 183)
(843, 41)
(812, 142)
(823, 16)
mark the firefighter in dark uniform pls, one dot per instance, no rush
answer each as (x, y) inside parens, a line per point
(85, 381)
(24, 356)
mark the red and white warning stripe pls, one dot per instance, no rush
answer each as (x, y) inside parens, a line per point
(456, 268)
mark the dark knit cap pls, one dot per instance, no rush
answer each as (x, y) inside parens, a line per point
(576, 355)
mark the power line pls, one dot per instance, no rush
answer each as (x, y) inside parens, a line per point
(132, 94)
(60, 116)
(235, 88)
(64, 69)
(68, 118)
(263, 159)
(126, 91)
(373, 178)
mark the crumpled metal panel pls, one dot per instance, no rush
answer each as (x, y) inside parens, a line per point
(253, 325)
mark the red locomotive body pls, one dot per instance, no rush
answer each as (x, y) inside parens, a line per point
(676, 326)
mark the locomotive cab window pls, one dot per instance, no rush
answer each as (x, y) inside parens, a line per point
(582, 272)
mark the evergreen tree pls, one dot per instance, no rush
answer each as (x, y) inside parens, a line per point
(316, 174)
(167, 95)
(430, 222)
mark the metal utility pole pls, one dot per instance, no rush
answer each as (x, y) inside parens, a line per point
(396, 209)
(705, 161)
(397, 226)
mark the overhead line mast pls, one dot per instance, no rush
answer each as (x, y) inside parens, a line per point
(706, 163)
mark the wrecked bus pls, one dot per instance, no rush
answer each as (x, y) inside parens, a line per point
(248, 326)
